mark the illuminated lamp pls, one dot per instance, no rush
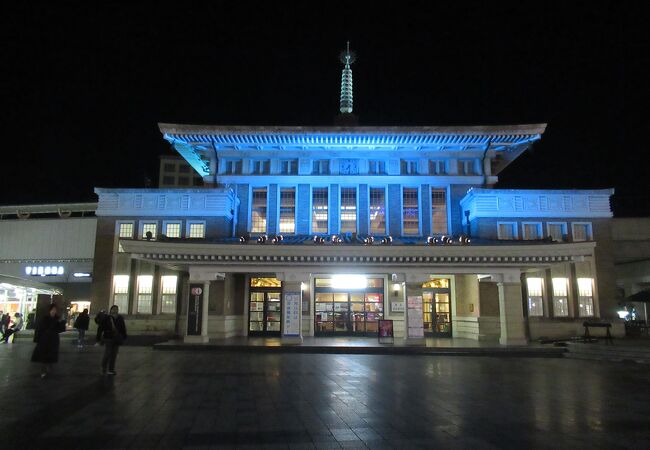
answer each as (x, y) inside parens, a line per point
(369, 240)
(622, 314)
(349, 282)
(242, 240)
(319, 240)
(60, 270)
(28, 270)
(81, 274)
(48, 270)
(336, 239)
(431, 240)
(387, 240)
(262, 239)
(395, 289)
(277, 239)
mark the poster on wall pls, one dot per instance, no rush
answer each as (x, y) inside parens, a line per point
(292, 320)
(397, 306)
(195, 310)
(414, 317)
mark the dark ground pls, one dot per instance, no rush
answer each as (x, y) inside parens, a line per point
(199, 400)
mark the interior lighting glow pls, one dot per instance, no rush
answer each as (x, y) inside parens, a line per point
(81, 274)
(622, 314)
(349, 282)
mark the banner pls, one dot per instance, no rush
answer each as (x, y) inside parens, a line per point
(414, 316)
(292, 319)
(195, 310)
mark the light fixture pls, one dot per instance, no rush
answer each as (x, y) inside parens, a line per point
(395, 289)
(349, 282)
(369, 240)
(262, 239)
(81, 274)
(622, 314)
(302, 287)
(277, 239)
(318, 240)
(242, 240)
(387, 240)
(336, 239)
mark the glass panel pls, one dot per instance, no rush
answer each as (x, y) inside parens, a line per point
(410, 212)
(256, 316)
(258, 211)
(377, 211)
(126, 230)
(356, 297)
(348, 210)
(323, 282)
(256, 326)
(320, 297)
(325, 327)
(273, 296)
(324, 307)
(340, 321)
(340, 297)
(375, 282)
(265, 282)
(272, 326)
(357, 307)
(374, 297)
(257, 306)
(197, 230)
(442, 283)
(288, 210)
(371, 327)
(340, 306)
(257, 296)
(319, 210)
(358, 323)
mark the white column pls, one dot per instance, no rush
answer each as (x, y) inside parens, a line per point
(511, 314)
(292, 306)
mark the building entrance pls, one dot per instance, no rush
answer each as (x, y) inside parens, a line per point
(436, 307)
(265, 307)
(348, 308)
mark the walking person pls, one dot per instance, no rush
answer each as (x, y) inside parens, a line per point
(5, 319)
(47, 340)
(112, 333)
(13, 329)
(81, 324)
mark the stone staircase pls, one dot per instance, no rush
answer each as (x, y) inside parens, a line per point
(620, 351)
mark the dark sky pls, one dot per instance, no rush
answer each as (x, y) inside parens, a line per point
(84, 85)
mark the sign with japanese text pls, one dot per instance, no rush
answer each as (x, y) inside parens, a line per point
(292, 319)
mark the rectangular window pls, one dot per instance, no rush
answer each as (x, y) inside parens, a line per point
(170, 167)
(556, 230)
(535, 303)
(321, 167)
(260, 167)
(287, 210)
(531, 231)
(408, 167)
(319, 210)
(585, 297)
(258, 211)
(438, 211)
(126, 231)
(348, 210)
(437, 167)
(410, 212)
(377, 211)
(168, 294)
(121, 292)
(149, 227)
(560, 297)
(289, 167)
(145, 290)
(197, 230)
(507, 231)
(233, 167)
(376, 167)
(183, 181)
(167, 180)
(466, 167)
(183, 168)
(173, 229)
(581, 232)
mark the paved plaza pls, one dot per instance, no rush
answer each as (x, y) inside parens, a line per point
(201, 400)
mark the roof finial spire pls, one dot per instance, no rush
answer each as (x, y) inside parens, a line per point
(347, 58)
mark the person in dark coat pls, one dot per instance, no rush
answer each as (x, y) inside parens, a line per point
(13, 329)
(112, 333)
(47, 340)
(81, 324)
(31, 317)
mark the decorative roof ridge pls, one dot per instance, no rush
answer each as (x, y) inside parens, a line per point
(602, 191)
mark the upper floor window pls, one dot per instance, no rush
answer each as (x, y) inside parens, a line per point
(348, 210)
(126, 230)
(560, 297)
(289, 167)
(376, 167)
(408, 167)
(556, 230)
(377, 211)
(183, 181)
(196, 230)
(170, 167)
(183, 168)
(319, 210)
(260, 167)
(258, 211)
(531, 230)
(233, 166)
(321, 167)
(585, 297)
(410, 212)
(466, 167)
(172, 229)
(507, 230)
(145, 297)
(438, 211)
(437, 167)
(149, 227)
(535, 303)
(581, 231)
(168, 180)
(287, 210)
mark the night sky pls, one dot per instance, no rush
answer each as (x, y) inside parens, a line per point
(84, 85)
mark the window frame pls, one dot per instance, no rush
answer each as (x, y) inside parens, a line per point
(291, 167)
(113, 292)
(590, 231)
(447, 211)
(590, 297)
(138, 294)
(539, 298)
(188, 226)
(419, 205)
(321, 164)
(380, 167)
(385, 189)
(563, 225)
(538, 225)
(311, 210)
(408, 165)
(435, 164)
(250, 210)
(356, 210)
(555, 297)
(119, 224)
(162, 294)
(515, 228)
(141, 229)
(173, 222)
(295, 208)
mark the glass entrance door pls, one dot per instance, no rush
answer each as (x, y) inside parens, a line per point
(437, 313)
(264, 313)
(348, 313)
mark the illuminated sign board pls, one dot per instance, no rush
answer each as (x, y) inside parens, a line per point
(44, 271)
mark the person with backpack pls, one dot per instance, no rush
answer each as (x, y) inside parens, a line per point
(112, 333)
(13, 329)
(81, 325)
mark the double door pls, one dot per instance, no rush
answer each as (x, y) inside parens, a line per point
(436, 309)
(264, 313)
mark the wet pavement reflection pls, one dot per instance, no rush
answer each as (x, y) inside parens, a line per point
(210, 400)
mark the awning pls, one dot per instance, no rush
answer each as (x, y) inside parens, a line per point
(26, 283)
(641, 296)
